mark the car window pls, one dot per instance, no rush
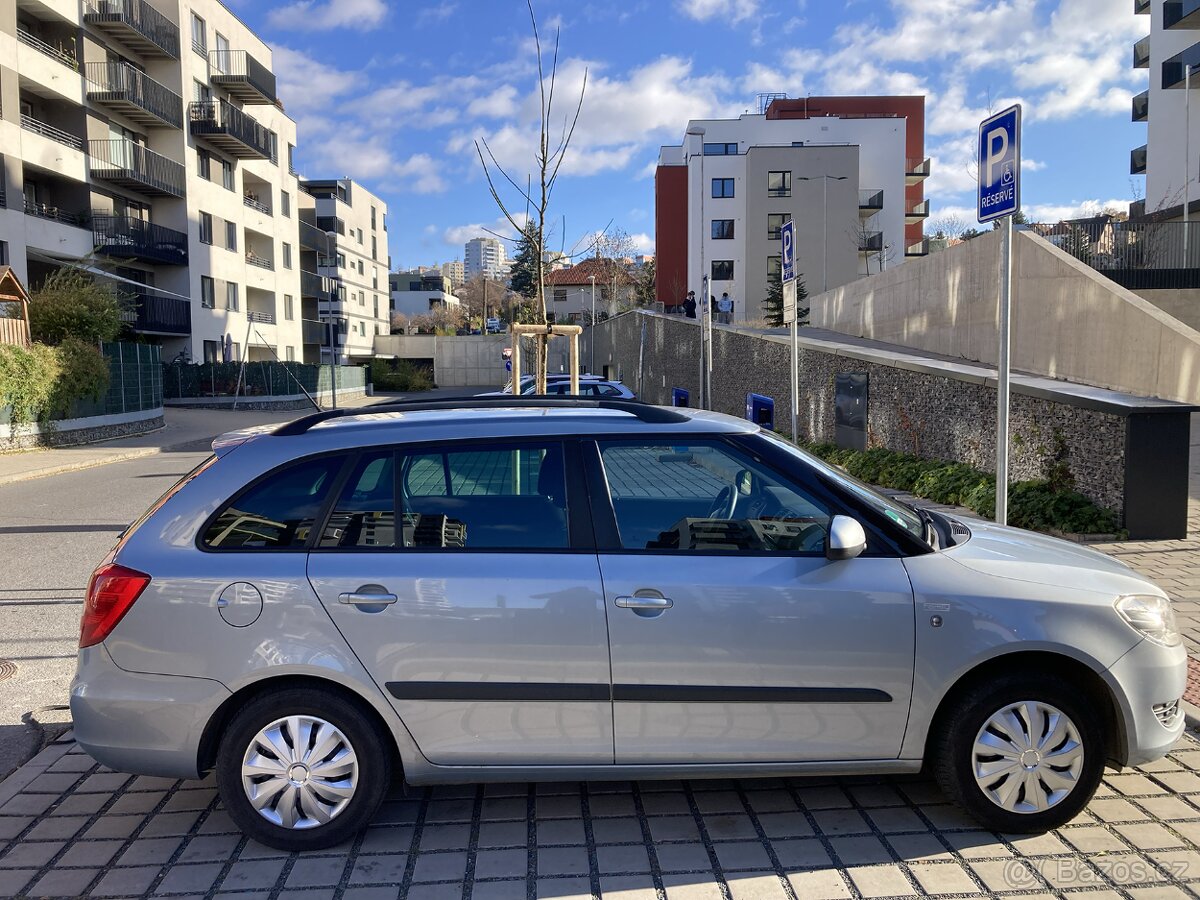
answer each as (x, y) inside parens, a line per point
(707, 497)
(365, 512)
(278, 512)
(502, 497)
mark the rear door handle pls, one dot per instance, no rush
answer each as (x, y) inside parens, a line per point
(357, 599)
(644, 602)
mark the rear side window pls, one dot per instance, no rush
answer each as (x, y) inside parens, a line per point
(277, 513)
(365, 513)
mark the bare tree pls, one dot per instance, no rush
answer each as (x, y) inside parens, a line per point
(948, 226)
(539, 187)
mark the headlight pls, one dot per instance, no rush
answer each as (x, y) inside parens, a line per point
(1151, 617)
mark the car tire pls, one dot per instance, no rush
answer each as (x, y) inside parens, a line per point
(1039, 758)
(317, 765)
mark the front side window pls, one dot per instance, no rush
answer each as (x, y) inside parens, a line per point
(494, 498)
(277, 513)
(365, 513)
(779, 184)
(708, 497)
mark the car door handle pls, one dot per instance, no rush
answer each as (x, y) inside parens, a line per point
(644, 603)
(357, 599)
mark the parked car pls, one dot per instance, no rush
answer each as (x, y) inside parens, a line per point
(590, 589)
(493, 326)
(589, 386)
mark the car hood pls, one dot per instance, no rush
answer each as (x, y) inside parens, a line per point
(1040, 559)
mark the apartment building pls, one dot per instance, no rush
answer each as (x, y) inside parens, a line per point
(419, 293)
(456, 272)
(848, 170)
(485, 256)
(145, 142)
(344, 232)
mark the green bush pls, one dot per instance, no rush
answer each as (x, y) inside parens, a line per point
(71, 304)
(27, 381)
(1040, 505)
(83, 372)
(399, 375)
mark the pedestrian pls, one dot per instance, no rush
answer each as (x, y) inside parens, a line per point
(689, 305)
(724, 309)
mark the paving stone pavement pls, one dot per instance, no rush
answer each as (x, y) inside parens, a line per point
(71, 828)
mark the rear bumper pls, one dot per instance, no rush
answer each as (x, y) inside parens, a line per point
(138, 723)
(1145, 677)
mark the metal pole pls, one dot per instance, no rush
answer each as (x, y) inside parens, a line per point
(1002, 375)
(825, 236)
(708, 344)
(1187, 158)
(795, 378)
(592, 334)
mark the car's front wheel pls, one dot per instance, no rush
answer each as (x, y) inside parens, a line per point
(1022, 754)
(302, 769)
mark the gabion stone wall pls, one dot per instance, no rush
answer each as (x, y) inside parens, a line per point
(950, 417)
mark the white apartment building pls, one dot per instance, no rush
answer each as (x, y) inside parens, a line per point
(847, 176)
(347, 231)
(456, 272)
(419, 293)
(144, 141)
(484, 256)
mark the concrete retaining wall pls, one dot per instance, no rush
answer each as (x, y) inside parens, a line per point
(464, 361)
(75, 432)
(1069, 321)
(1183, 304)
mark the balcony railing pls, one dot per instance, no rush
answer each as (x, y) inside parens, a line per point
(921, 248)
(136, 167)
(139, 97)
(1141, 53)
(29, 123)
(136, 23)
(916, 169)
(261, 261)
(870, 202)
(242, 76)
(255, 204)
(870, 242)
(1141, 7)
(1141, 107)
(155, 314)
(313, 238)
(1180, 13)
(312, 332)
(314, 285)
(227, 127)
(61, 54)
(1175, 69)
(917, 210)
(262, 318)
(1137, 161)
(55, 214)
(126, 237)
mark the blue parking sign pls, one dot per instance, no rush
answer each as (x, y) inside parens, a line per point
(1000, 165)
(787, 235)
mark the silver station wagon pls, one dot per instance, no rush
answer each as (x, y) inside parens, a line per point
(509, 589)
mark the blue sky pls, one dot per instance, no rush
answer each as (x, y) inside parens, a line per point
(394, 93)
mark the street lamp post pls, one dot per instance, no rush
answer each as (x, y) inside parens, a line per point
(824, 179)
(592, 332)
(1187, 156)
(705, 347)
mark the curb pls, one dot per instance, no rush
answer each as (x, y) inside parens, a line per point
(82, 464)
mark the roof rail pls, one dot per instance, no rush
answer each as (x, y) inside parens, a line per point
(644, 412)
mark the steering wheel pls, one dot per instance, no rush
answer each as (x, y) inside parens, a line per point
(724, 506)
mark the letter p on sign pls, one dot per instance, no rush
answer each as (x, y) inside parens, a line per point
(997, 153)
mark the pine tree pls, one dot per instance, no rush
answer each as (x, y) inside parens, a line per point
(644, 290)
(523, 273)
(773, 305)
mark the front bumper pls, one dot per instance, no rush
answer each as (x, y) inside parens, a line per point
(1147, 676)
(138, 723)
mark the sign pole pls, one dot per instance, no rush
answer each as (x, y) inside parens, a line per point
(1003, 375)
(787, 274)
(795, 380)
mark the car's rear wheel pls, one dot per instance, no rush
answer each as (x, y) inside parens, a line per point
(1021, 754)
(302, 769)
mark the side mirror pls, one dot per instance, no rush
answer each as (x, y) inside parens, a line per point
(846, 539)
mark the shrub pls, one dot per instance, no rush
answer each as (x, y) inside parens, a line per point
(83, 372)
(27, 380)
(1040, 505)
(70, 303)
(399, 375)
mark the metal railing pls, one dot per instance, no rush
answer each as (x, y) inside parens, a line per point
(54, 214)
(63, 56)
(312, 332)
(1136, 255)
(917, 167)
(261, 261)
(148, 27)
(1141, 106)
(255, 204)
(262, 318)
(136, 165)
(1141, 7)
(870, 200)
(132, 238)
(1137, 160)
(219, 117)
(917, 210)
(1141, 53)
(870, 242)
(921, 248)
(157, 314)
(29, 123)
(120, 82)
(314, 285)
(313, 238)
(1175, 12)
(243, 75)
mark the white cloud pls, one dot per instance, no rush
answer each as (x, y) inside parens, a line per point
(726, 10)
(458, 235)
(308, 85)
(311, 15)
(438, 12)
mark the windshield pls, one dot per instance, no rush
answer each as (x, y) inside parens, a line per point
(897, 512)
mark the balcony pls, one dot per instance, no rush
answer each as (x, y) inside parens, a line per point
(921, 248)
(1180, 14)
(313, 238)
(869, 203)
(228, 128)
(59, 54)
(130, 91)
(314, 285)
(1174, 70)
(55, 214)
(126, 237)
(137, 168)
(156, 314)
(29, 123)
(1137, 161)
(1141, 53)
(312, 332)
(242, 76)
(1141, 7)
(261, 207)
(916, 170)
(870, 242)
(261, 262)
(1141, 107)
(916, 212)
(135, 23)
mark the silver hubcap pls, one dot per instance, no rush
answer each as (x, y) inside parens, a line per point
(1027, 757)
(299, 772)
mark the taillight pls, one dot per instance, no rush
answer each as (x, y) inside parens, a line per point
(111, 592)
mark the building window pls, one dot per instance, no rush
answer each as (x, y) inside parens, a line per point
(203, 165)
(361, 270)
(560, 295)
(199, 36)
(227, 174)
(231, 296)
(206, 228)
(208, 292)
(720, 149)
(775, 224)
(341, 293)
(779, 184)
(372, 218)
(285, 203)
(222, 60)
(231, 235)
(774, 266)
(722, 187)
(200, 91)
(375, 279)
(212, 351)
(292, 158)
(3, 253)
(362, 298)
(722, 229)
(360, 236)
(722, 270)
(288, 312)
(374, 248)
(341, 260)
(287, 256)
(289, 354)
